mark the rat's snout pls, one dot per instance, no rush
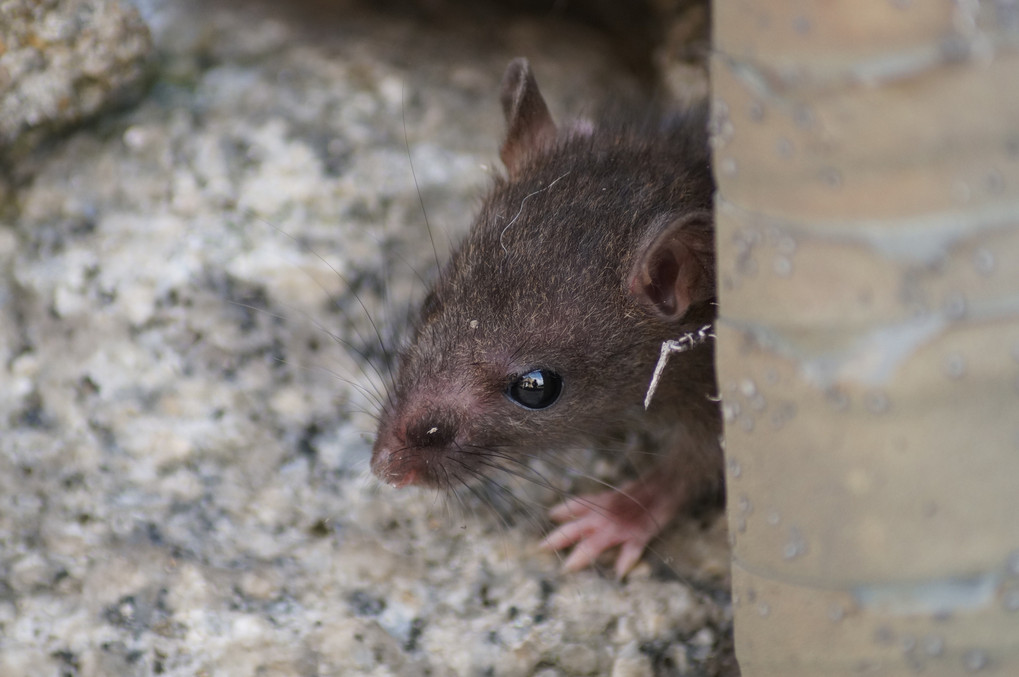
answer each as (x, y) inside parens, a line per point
(430, 433)
(414, 452)
(391, 471)
(390, 460)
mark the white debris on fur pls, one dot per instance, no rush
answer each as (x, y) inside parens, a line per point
(670, 348)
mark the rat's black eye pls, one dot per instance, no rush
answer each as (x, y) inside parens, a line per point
(536, 389)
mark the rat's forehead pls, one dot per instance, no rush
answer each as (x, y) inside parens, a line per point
(511, 336)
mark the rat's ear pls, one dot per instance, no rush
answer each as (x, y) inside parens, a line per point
(529, 125)
(674, 269)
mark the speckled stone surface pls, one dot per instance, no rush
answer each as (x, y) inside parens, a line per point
(183, 449)
(64, 60)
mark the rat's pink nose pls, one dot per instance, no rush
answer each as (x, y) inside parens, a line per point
(393, 468)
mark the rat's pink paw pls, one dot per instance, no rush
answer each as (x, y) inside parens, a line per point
(629, 518)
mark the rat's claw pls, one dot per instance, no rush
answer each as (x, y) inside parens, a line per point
(593, 533)
(630, 553)
(586, 551)
(594, 525)
(629, 518)
(565, 536)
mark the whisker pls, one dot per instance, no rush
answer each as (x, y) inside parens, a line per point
(544, 482)
(417, 186)
(376, 396)
(481, 498)
(349, 288)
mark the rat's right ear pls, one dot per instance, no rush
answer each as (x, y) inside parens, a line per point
(529, 125)
(675, 268)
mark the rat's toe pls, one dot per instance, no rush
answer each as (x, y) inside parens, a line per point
(594, 533)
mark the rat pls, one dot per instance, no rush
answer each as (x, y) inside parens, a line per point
(545, 325)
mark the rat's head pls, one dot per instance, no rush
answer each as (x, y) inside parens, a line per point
(543, 329)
